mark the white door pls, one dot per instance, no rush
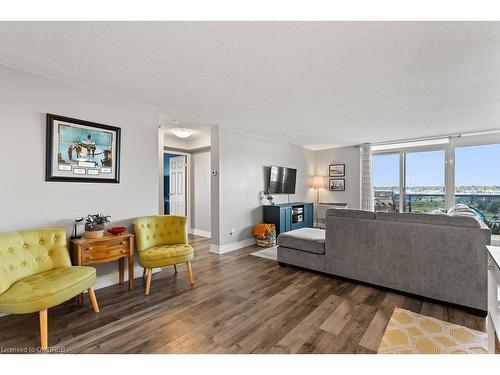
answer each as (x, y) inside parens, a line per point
(177, 186)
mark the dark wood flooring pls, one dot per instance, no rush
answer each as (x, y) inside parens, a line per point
(239, 304)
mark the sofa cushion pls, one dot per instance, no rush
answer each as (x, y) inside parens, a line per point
(355, 214)
(46, 289)
(306, 239)
(464, 210)
(165, 255)
(456, 221)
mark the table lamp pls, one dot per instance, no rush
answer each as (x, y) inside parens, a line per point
(75, 234)
(317, 184)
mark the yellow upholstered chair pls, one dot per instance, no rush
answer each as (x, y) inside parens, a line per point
(162, 241)
(36, 274)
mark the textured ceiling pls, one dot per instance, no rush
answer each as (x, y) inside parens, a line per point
(314, 84)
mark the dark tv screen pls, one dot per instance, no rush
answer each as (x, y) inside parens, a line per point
(282, 180)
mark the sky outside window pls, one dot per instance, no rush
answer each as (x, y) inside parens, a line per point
(425, 169)
(422, 169)
(477, 165)
(474, 166)
(386, 170)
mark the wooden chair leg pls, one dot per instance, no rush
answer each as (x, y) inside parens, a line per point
(144, 273)
(190, 273)
(43, 330)
(148, 281)
(93, 300)
(175, 268)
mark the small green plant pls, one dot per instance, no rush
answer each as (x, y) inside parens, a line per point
(96, 222)
(269, 196)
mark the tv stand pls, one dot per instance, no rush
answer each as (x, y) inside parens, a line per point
(289, 216)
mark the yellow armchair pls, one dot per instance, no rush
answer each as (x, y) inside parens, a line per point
(36, 274)
(162, 241)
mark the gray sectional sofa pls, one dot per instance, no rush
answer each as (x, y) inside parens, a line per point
(435, 256)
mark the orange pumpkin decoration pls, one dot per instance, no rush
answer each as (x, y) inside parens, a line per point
(261, 230)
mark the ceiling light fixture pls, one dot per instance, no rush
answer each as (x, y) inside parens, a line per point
(181, 132)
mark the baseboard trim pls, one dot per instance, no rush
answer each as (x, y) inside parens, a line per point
(201, 233)
(112, 278)
(226, 248)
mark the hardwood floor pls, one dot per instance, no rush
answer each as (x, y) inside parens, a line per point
(238, 304)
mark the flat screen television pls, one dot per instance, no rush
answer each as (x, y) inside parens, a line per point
(282, 180)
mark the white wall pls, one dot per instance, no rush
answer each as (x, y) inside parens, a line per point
(215, 214)
(200, 192)
(203, 140)
(175, 142)
(26, 200)
(350, 156)
(242, 158)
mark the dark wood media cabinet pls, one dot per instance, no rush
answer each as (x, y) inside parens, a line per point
(289, 216)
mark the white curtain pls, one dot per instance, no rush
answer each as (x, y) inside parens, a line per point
(366, 177)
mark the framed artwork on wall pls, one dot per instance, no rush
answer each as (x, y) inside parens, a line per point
(337, 170)
(81, 151)
(336, 184)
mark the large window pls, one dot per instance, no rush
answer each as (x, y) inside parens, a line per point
(429, 175)
(424, 188)
(386, 182)
(477, 180)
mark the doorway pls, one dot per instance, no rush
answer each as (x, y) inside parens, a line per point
(185, 174)
(175, 174)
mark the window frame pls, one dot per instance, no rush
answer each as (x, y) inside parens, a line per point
(449, 160)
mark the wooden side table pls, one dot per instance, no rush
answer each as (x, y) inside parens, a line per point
(89, 251)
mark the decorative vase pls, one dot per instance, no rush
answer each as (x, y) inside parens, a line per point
(95, 232)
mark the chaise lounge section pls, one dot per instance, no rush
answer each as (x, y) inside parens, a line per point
(434, 256)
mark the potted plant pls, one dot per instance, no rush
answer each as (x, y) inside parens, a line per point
(269, 196)
(94, 225)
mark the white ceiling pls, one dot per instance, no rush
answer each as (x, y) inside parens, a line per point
(315, 84)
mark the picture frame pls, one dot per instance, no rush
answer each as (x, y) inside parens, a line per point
(81, 151)
(336, 170)
(336, 184)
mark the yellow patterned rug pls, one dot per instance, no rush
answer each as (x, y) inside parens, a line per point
(411, 333)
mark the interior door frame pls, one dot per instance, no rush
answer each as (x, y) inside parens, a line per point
(187, 182)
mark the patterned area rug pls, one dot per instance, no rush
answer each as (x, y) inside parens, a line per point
(411, 333)
(268, 253)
